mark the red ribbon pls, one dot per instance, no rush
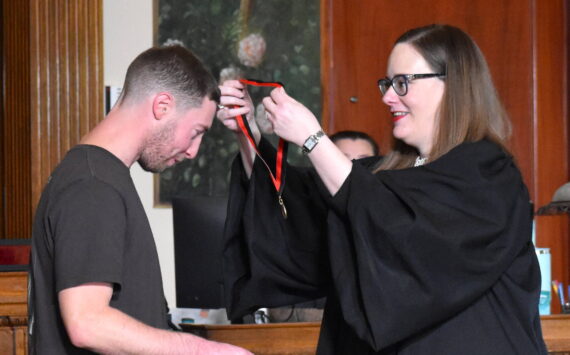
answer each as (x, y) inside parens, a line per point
(279, 177)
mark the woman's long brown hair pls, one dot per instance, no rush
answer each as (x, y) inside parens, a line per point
(470, 109)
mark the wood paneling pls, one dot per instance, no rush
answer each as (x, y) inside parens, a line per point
(13, 293)
(53, 95)
(67, 54)
(550, 120)
(13, 313)
(16, 142)
(525, 45)
(2, 192)
(13, 335)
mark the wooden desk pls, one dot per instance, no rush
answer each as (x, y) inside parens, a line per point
(14, 293)
(556, 333)
(301, 338)
(13, 335)
(263, 339)
(13, 313)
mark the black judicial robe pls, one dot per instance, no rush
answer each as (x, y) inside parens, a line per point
(436, 259)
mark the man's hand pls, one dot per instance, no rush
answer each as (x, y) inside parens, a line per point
(215, 348)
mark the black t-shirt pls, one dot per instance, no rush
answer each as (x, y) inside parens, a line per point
(90, 226)
(436, 259)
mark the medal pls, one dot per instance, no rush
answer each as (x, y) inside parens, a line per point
(283, 208)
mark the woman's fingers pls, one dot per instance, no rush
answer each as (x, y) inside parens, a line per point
(227, 115)
(230, 101)
(279, 95)
(232, 91)
(229, 84)
(290, 119)
(269, 105)
(231, 113)
(234, 94)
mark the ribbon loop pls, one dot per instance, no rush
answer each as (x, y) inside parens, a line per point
(279, 178)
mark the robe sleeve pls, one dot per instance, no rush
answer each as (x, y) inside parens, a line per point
(270, 261)
(411, 248)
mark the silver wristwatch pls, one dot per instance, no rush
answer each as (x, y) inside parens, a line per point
(312, 142)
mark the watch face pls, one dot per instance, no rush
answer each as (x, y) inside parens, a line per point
(310, 143)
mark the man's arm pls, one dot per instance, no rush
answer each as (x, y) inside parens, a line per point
(92, 324)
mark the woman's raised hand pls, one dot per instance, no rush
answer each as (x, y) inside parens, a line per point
(234, 101)
(290, 119)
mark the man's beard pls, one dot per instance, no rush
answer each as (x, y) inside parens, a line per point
(153, 158)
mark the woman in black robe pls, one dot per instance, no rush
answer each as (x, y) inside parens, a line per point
(428, 251)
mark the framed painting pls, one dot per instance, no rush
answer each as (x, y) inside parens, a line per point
(272, 40)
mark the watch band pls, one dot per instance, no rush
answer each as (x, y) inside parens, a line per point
(312, 142)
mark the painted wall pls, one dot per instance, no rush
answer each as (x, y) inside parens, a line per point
(128, 30)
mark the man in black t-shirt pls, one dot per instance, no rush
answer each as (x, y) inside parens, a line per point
(95, 282)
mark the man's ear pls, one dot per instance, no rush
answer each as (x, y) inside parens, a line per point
(162, 104)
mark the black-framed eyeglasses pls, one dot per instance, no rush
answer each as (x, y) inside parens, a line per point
(400, 82)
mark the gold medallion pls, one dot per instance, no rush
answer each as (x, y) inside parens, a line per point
(283, 208)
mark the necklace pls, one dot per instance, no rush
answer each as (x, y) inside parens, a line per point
(420, 161)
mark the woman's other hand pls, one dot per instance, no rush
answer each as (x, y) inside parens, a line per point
(290, 119)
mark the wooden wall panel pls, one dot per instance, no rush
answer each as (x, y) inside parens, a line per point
(67, 60)
(550, 69)
(17, 206)
(52, 55)
(2, 192)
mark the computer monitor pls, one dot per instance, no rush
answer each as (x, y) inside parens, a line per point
(198, 230)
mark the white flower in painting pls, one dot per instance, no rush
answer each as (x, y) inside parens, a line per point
(251, 50)
(173, 42)
(261, 118)
(230, 73)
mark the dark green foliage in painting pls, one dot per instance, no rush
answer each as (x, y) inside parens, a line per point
(213, 29)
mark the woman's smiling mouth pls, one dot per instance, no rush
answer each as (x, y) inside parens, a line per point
(398, 115)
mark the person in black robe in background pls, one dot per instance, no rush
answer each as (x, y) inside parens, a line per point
(355, 144)
(428, 251)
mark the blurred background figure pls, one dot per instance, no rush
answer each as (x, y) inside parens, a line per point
(355, 144)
